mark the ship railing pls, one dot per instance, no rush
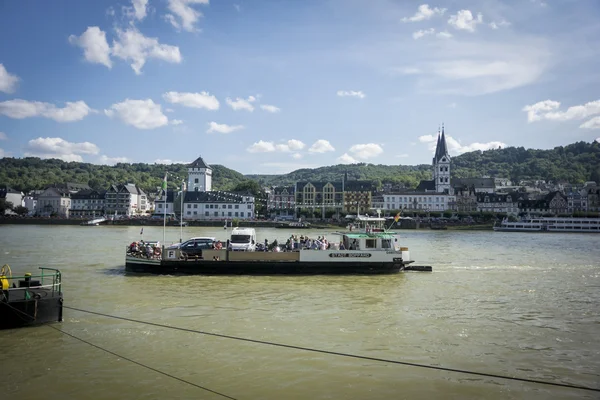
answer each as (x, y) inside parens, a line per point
(50, 281)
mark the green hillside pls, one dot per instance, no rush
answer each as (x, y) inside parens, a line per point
(29, 173)
(575, 163)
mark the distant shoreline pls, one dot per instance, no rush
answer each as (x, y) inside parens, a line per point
(241, 223)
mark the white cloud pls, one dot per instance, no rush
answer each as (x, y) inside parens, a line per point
(452, 105)
(444, 35)
(539, 3)
(463, 20)
(548, 109)
(351, 93)
(346, 159)
(110, 11)
(139, 9)
(237, 7)
(3, 136)
(135, 47)
(59, 148)
(3, 153)
(593, 123)
(261, 147)
(321, 146)
(424, 12)
(423, 32)
(176, 122)
(95, 47)
(365, 151)
(290, 145)
(20, 109)
(482, 75)
(268, 147)
(8, 82)
(194, 100)
(223, 128)
(296, 156)
(468, 65)
(184, 16)
(241, 104)
(105, 160)
(270, 108)
(454, 146)
(169, 110)
(142, 114)
(498, 25)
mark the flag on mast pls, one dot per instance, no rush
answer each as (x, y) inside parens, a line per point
(164, 184)
(142, 231)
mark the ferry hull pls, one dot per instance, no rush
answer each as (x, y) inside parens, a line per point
(208, 267)
(35, 311)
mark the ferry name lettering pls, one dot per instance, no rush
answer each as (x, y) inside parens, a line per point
(361, 255)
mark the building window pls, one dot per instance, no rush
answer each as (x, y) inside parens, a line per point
(241, 214)
(206, 214)
(196, 180)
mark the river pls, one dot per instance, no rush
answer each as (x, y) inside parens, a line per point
(515, 304)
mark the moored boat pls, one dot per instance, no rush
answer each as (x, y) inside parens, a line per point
(550, 224)
(369, 249)
(30, 299)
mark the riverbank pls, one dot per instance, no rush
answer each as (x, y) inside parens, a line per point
(405, 225)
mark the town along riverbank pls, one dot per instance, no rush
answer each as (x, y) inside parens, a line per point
(401, 225)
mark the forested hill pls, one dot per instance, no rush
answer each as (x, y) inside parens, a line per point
(29, 173)
(575, 163)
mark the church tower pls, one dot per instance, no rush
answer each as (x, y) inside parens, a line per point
(199, 176)
(441, 165)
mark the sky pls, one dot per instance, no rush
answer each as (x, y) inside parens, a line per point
(271, 86)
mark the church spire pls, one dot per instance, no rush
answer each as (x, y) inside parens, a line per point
(441, 149)
(437, 147)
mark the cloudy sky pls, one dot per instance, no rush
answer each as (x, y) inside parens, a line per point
(269, 86)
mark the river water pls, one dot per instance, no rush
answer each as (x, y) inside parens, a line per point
(515, 304)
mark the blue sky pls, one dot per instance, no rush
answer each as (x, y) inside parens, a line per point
(270, 86)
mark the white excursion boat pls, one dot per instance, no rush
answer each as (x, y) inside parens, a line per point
(550, 224)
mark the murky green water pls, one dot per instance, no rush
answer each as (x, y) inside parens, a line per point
(513, 304)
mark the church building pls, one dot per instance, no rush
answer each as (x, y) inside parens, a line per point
(430, 195)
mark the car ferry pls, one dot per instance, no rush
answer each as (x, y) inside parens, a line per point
(550, 224)
(366, 249)
(30, 299)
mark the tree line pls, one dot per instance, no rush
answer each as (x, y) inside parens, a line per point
(574, 163)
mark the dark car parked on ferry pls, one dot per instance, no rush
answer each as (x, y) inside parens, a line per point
(193, 247)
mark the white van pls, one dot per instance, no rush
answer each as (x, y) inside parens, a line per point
(243, 239)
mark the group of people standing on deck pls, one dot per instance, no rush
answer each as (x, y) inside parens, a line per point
(142, 249)
(306, 243)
